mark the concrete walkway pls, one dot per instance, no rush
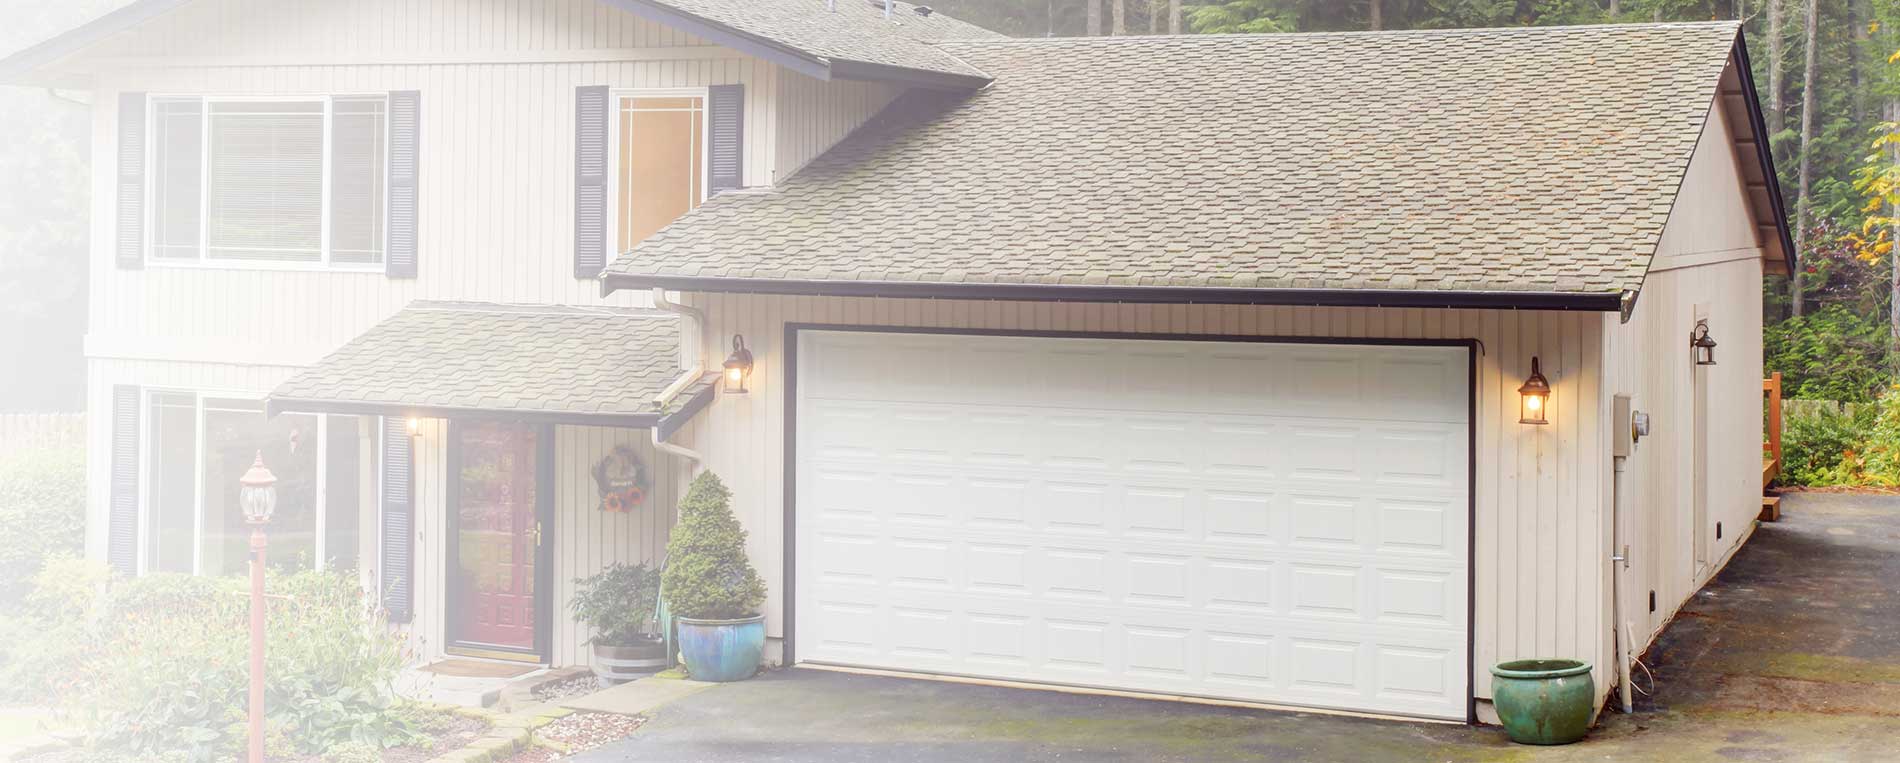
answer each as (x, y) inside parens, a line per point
(1792, 654)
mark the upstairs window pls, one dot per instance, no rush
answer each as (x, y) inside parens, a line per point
(269, 181)
(659, 162)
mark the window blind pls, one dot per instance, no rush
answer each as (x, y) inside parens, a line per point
(265, 186)
(359, 133)
(177, 170)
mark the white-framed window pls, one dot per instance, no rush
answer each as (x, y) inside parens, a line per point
(297, 182)
(199, 443)
(659, 160)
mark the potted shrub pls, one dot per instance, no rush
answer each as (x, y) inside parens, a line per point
(711, 587)
(618, 603)
(1543, 701)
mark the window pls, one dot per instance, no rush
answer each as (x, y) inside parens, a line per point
(659, 164)
(200, 446)
(269, 180)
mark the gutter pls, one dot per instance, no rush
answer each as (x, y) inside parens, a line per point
(1210, 295)
(692, 320)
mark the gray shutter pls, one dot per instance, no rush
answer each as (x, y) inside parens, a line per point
(122, 532)
(131, 246)
(726, 117)
(590, 181)
(405, 156)
(398, 525)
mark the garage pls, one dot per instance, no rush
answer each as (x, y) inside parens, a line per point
(1264, 521)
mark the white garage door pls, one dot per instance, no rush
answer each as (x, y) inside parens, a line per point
(1282, 523)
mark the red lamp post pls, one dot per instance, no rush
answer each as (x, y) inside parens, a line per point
(257, 495)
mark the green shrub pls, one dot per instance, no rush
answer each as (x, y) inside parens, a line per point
(165, 669)
(43, 511)
(1821, 446)
(41, 640)
(707, 574)
(617, 603)
(353, 752)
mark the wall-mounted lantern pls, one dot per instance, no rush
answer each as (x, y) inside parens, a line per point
(1536, 397)
(738, 366)
(415, 427)
(1701, 345)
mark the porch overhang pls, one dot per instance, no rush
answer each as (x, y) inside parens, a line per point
(519, 363)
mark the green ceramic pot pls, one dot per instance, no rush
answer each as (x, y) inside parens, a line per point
(1543, 701)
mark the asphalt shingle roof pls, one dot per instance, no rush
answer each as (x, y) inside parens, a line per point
(532, 359)
(1543, 159)
(850, 30)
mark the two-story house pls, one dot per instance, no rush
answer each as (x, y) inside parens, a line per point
(1195, 366)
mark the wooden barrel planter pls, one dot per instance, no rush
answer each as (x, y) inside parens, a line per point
(620, 664)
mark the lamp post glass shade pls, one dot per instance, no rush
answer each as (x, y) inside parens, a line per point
(1702, 345)
(738, 365)
(257, 492)
(1535, 395)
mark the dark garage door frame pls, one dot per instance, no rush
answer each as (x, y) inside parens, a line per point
(789, 595)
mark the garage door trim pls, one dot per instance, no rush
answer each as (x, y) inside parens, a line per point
(789, 587)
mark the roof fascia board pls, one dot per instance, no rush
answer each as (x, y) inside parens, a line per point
(276, 405)
(702, 396)
(1212, 295)
(864, 70)
(20, 66)
(720, 34)
(1763, 152)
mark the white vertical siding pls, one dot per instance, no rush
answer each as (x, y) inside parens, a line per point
(1709, 260)
(497, 79)
(1539, 491)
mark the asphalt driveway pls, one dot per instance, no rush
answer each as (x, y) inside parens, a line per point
(1792, 654)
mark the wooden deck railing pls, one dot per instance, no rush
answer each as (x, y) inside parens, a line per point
(1771, 448)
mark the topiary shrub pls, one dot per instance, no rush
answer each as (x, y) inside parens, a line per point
(617, 603)
(707, 574)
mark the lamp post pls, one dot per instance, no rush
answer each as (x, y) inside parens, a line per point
(257, 495)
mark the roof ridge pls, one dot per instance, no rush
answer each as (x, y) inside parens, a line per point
(1459, 31)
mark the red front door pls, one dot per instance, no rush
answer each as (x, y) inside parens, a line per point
(493, 599)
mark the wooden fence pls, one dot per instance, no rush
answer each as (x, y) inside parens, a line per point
(41, 431)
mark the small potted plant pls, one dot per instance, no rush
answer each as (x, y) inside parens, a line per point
(711, 587)
(618, 604)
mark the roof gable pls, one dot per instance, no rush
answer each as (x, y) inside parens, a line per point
(1539, 161)
(849, 41)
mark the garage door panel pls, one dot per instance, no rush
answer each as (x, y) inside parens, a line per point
(1127, 521)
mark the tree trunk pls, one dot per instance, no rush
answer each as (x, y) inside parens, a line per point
(1094, 18)
(1154, 16)
(1893, 258)
(1616, 9)
(1376, 16)
(1118, 11)
(1174, 16)
(1777, 50)
(1803, 204)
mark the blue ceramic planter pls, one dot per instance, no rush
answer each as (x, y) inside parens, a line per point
(722, 650)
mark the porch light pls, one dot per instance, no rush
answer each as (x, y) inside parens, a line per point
(1701, 345)
(1536, 394)
(257, 492)
(738, 365)
(415, 427)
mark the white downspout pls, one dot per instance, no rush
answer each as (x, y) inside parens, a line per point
(691, 321)
(1619, 561)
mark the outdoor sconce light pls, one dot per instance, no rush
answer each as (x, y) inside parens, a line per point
(738, 365)
(257, 492)
(1536, 397)
(415, 427)
(1701, 345)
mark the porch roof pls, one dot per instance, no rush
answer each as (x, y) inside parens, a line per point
(539, 363)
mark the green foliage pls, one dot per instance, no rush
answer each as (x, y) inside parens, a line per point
(43, 508)
(617, 603)
(1830, 354)
(157, 667)
(353, 752)
(707, 574)
(1820, 444)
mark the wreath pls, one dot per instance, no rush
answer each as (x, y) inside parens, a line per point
(622, 480)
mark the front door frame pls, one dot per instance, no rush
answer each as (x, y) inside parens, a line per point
(543, 555)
